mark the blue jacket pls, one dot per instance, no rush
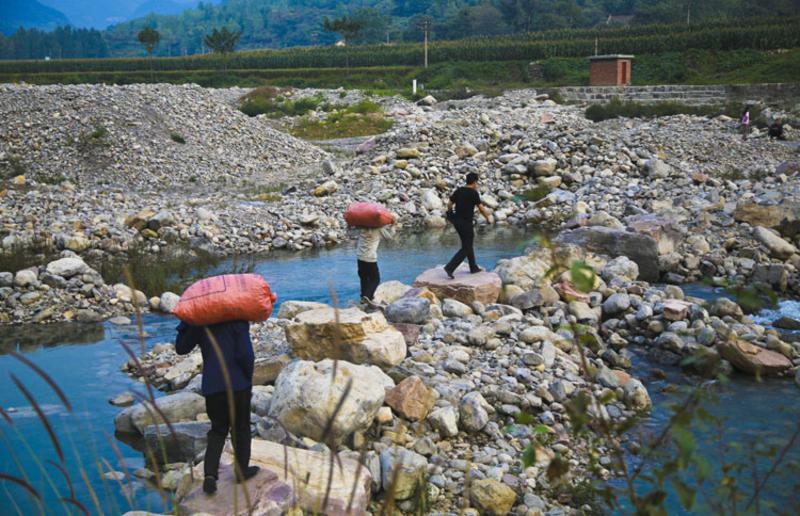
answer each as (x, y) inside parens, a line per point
(233, 339)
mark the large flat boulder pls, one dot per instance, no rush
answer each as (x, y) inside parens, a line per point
(309, 470)
(268, 494)
(752, 359)
(307, 393)
(640, 248)
(348, 334)
(466, 287)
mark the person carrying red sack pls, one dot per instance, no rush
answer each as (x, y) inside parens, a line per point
(227, 357)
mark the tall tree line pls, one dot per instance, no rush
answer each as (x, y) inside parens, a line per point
(283, 23)
(61, 43)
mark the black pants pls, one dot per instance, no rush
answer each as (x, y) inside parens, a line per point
(466, 233)
(370, 278)
(219, 414)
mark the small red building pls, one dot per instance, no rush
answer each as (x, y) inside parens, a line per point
(610, 70)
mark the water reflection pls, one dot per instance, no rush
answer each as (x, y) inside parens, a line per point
(28, 338)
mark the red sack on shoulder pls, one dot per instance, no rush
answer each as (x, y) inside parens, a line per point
(368, 214)
(231, 297)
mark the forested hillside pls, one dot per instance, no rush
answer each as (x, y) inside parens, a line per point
(285, 23)
(28, 13)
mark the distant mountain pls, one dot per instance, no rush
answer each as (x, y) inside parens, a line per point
(160, 7)
(100, 14)
(29, 14)
(97, 14)
(166, 7)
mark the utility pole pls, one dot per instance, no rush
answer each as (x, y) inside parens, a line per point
(424, 24)
(688, 11)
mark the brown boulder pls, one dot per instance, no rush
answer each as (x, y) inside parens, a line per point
(768, 216)
(411, 398)
(752, 359)
(659, 228)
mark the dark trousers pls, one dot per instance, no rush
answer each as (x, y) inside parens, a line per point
(466, 233)
(220, 416)
(370, 278)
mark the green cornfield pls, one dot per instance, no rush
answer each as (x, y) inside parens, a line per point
(762, 34)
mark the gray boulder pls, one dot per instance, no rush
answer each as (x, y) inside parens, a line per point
(411, 310)
(184, 445)
(181, 406)
(474, 412)
(67, 267)
(642, 249)
(307, 393)
(407, 469)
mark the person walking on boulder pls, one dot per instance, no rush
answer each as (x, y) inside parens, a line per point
(465, 199)
(367, 259)
(228, 361)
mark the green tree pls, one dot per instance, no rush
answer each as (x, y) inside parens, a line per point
(149, 38)
(223, 42)
(519, 14)
(348, 27)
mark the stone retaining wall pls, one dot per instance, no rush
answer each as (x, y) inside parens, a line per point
(777, 93)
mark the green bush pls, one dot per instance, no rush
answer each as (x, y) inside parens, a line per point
(363, 107)
(554, 69)
(272, 106)
(536, 193)
(177, 138)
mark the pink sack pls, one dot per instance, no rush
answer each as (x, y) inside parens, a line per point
(368, 214)
(231, 297)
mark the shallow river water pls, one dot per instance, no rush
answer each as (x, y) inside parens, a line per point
(84, 360)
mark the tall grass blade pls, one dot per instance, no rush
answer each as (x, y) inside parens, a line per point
(22, 483)
(76, 503)
(65, 475)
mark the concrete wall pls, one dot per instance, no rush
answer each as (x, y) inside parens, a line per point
(787, 94)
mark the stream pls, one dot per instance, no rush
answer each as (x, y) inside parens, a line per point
(85, 360)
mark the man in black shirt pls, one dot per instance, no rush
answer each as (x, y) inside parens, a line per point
(465, 199)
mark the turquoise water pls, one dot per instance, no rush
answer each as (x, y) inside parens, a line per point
(85, 360)
(750, 412)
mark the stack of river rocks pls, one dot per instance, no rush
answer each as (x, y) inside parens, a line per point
(100, 170)
(434, 411)
(67, 289)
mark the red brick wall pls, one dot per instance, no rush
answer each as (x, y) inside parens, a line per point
(608, 73)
